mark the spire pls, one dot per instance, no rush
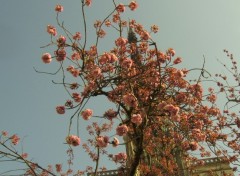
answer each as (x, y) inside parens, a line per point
(131, 36)
(132, 40)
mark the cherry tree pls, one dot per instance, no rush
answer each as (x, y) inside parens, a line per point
(166, 121)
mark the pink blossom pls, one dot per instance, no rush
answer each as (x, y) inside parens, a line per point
(104, 58)
(210, 89)
(124, 23)
(70, 68)
(198, 135)
(102, 141)
(69, 171)
(162, 105)
(75, 72)
(154, 28)
(61, 55)
(132, 23)
(161, 57)
(122, 130)
(107, 58)
(185, 71)
(59, 8)
(179, 74)
(116, 18)
(88, 2)
(86, 114)
(177, 60)
(171, 52)
(185, 145)
(89, 88)
(24, 155)
(93, 51)
(133, 5)
(75, 56)
(120, 157)
(61, 40)
(108, 23)
(142, 47)
(74, 85)
(173, 110)
(4, 133)
(97, 23)
(115, 142)
(110, 114)
(237, 121)
(145, 35)
(69, 103)
(130, 100)
(136, 118)
(120, 8)
(193, 145)
(121, 42)
(96, 72)
(58, 167)
(60, 109)
(46, 58)
(15, 139)
(138, 28)
(176, 118)
(113, 58)
(127, 63)
(73, 140)
(76, 97)
(101, 33)
(77, 36)
(212, 98)
(51, 30)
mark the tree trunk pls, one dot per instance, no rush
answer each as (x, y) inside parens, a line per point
(134, 152)
(180, 163)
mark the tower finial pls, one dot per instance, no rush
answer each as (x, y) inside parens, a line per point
(132, 38)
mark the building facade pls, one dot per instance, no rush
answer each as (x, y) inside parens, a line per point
(212, 167)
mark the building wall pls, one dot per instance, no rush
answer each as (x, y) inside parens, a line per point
(212, 167)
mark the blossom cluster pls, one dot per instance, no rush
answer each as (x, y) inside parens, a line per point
(73, 140)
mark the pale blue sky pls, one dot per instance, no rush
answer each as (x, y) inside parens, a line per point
(27, 100)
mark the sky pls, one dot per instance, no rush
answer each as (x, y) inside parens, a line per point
(28, 99)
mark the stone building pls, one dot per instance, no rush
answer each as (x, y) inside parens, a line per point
(213, 167)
